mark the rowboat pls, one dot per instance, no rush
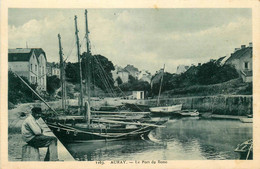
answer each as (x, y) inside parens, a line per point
(166, 109)
(191, 113)
(245, 150)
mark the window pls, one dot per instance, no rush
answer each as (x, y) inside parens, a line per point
(36, 79)
(35, 67)
(246, 65)
(31, 67)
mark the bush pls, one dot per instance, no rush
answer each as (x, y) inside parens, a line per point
(53, 83)
(18, 92)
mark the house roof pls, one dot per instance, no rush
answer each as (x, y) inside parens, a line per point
(240, 53)
(24, 54)
(52, 64)
(131, 68)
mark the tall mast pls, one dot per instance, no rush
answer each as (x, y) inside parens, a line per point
(88, 63)
(62, 76)
(80, 71)
(158, 100)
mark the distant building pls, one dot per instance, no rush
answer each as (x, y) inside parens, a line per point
(30, 63)
(182, 69)
(133, 71)
(53, 69)
(242, 61)
(144, 75)
(137, 95)
(157, 77)
(121, 73)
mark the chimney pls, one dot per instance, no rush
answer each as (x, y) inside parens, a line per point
(250, 44)
(243, 46)
(236, 49)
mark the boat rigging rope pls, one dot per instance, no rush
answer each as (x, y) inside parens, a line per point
(105, 75)
(110, 78)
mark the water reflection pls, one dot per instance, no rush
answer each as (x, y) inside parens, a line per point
(182, 139)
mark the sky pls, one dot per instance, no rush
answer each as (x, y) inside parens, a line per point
(145, 38)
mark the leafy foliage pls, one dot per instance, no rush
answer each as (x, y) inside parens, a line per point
(18, 92)
(213, 73)
(100, 68)
(206, 74)
(53, 83)
(119, 80)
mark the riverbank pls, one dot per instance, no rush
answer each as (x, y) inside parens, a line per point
(236, 105)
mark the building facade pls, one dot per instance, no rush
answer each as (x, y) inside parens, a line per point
(144, 75)
(53, 69)
(30, 63)
(133, 71)
(241, 59)
(182, 69)
(119, 72)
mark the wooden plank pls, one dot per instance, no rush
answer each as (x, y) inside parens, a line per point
(130, 123)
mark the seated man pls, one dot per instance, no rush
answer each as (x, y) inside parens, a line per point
(32, 133)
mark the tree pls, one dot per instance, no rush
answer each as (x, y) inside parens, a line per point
(213, 73)
(100, 69)
(119, 80)
(72, 72)
(53, 83)
(18, 92)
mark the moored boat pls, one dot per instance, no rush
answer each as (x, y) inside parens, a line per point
(189, 113)
(245, 150)
(166, 109)
(137, 107)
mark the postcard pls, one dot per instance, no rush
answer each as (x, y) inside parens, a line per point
(164, 84)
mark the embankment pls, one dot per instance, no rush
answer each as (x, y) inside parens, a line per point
(238, 105)
(226, 105)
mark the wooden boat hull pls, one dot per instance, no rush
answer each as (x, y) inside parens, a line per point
(68, 133)
(166, 109)
(245, 150)
(189, 113)
(137, 107)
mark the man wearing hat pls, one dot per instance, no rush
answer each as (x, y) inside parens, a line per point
(32, 133)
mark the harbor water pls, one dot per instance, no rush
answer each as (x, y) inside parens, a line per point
(182, 139)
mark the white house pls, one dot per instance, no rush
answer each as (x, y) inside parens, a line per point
(30, 63)
(241, 59)
(53, 69)
(144, 75)
(137, 95)
(182, 69)
(119, 72)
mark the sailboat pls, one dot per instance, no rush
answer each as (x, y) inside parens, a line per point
(162, 110)
(91, 125)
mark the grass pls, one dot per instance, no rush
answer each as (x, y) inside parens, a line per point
(232, 87)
